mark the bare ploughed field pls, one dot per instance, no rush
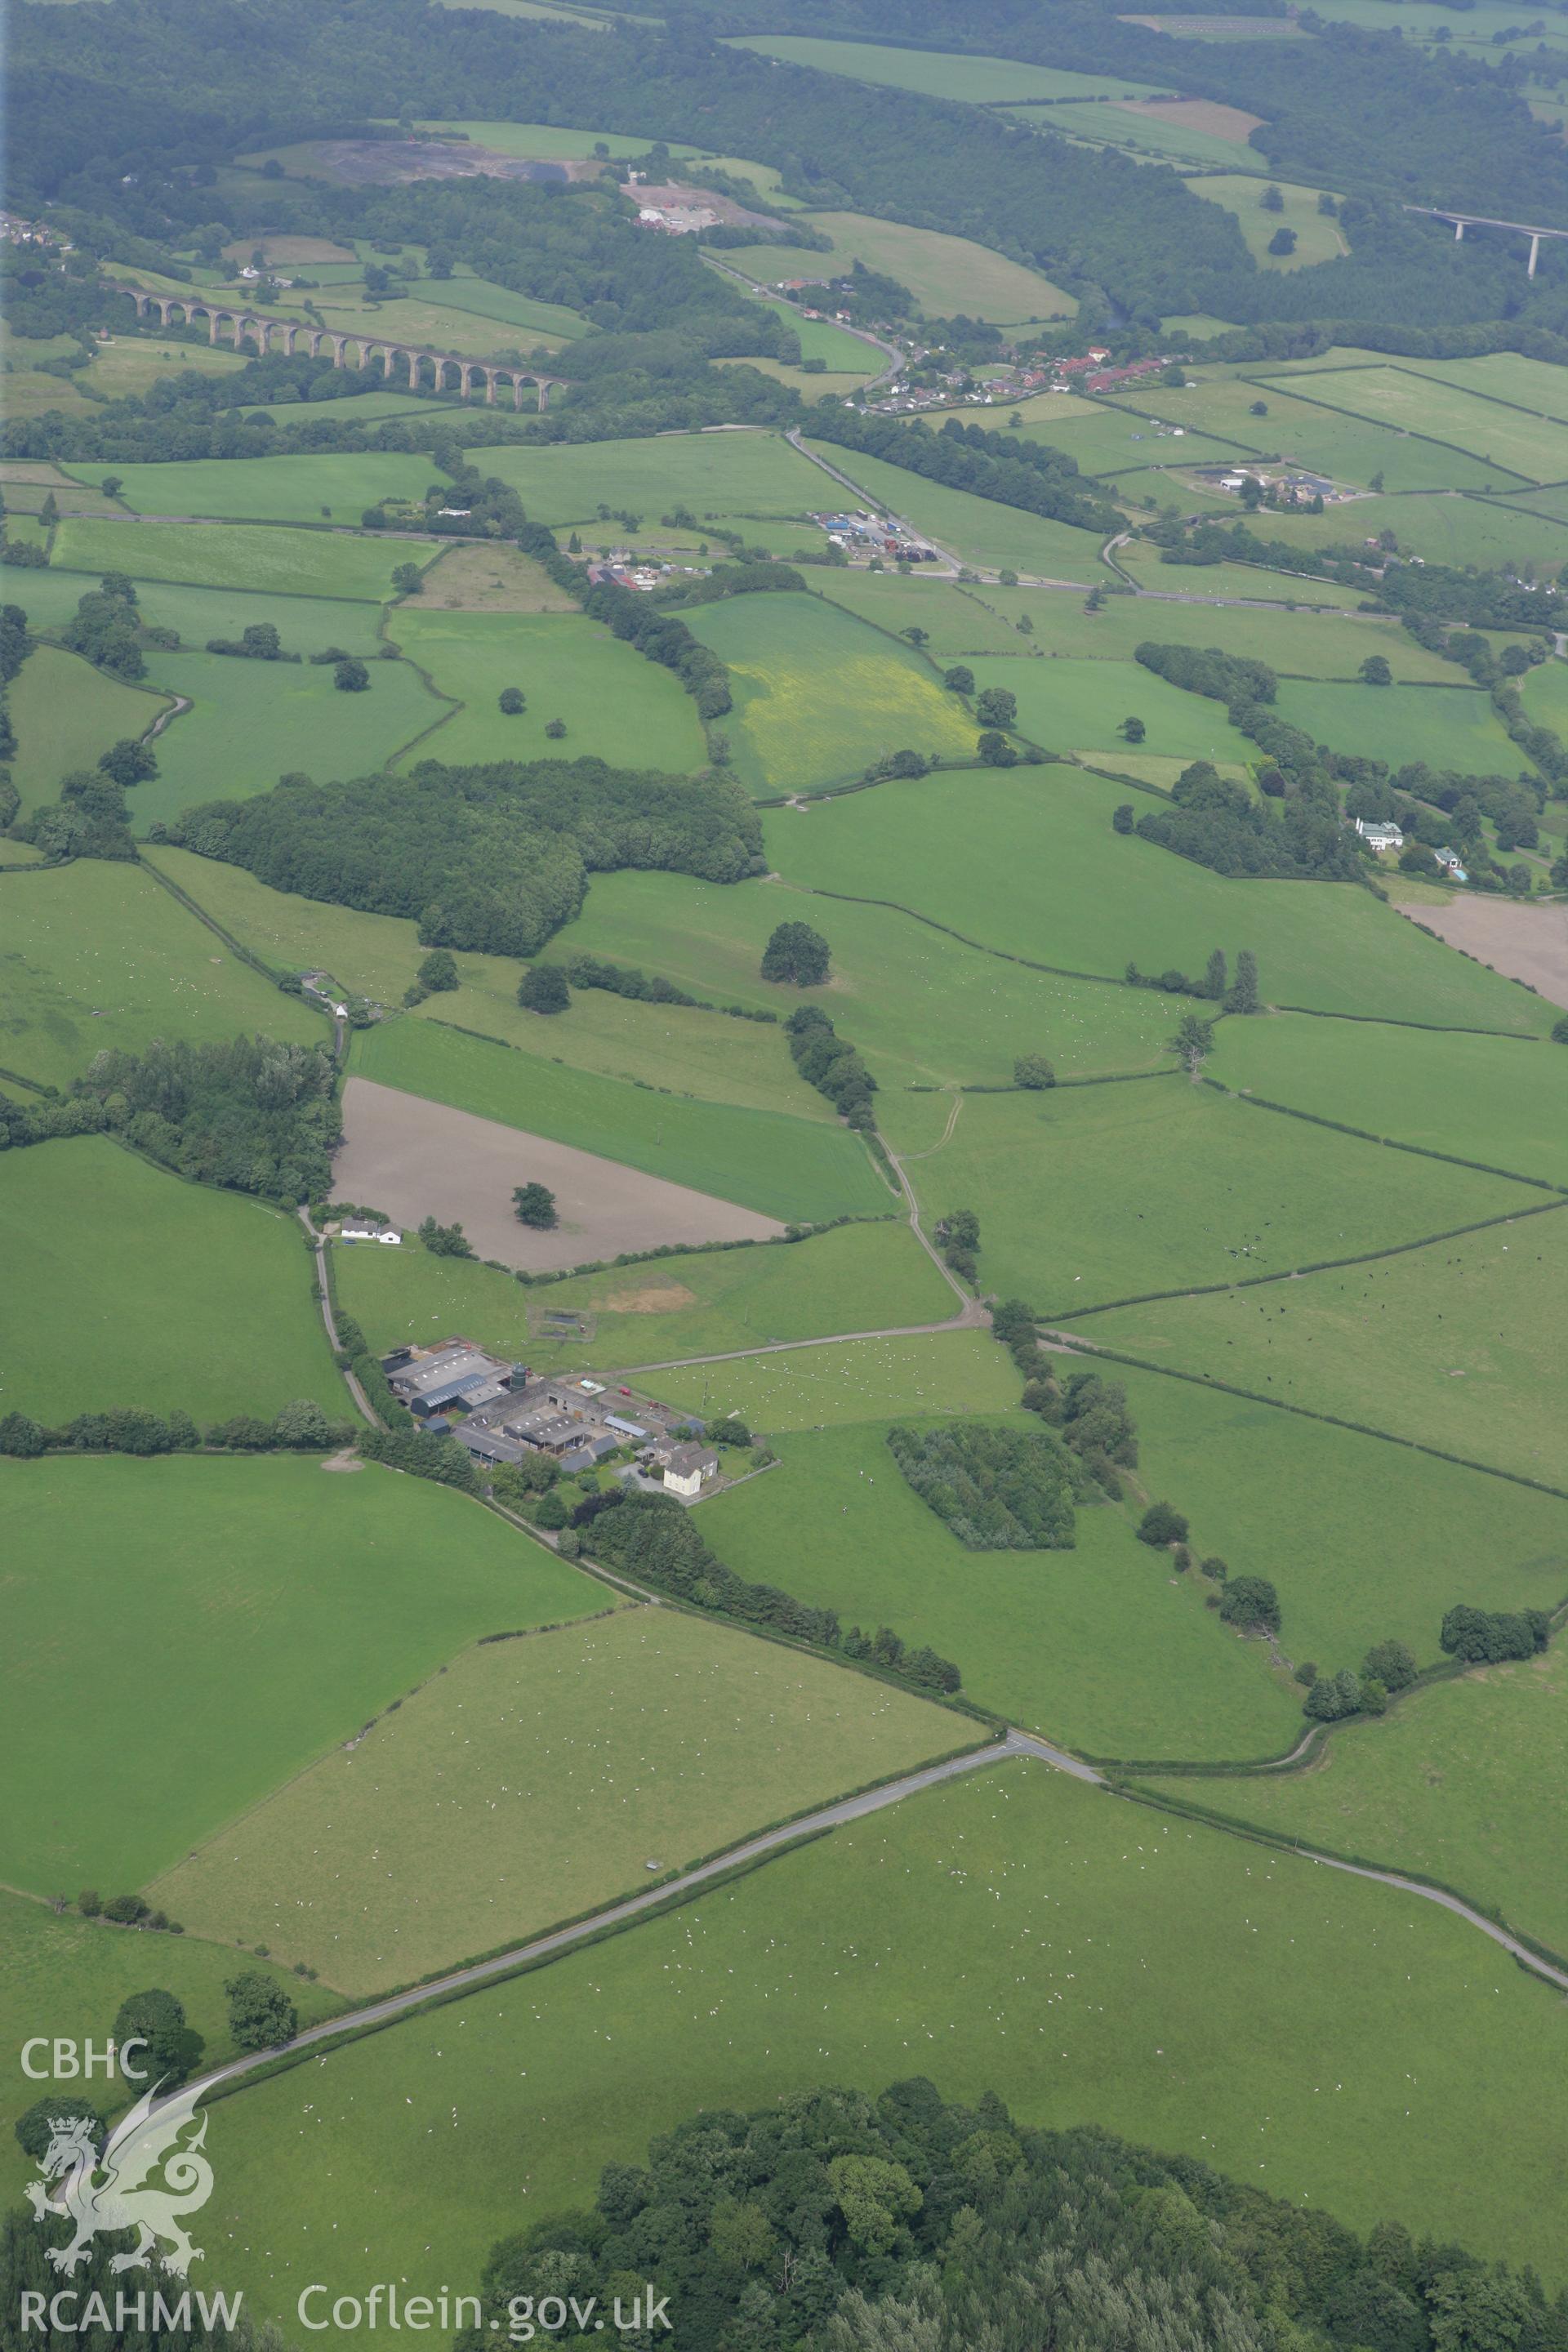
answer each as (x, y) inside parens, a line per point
(1526, 942)
(414, 1159)
(361, 162)
(1194, 114)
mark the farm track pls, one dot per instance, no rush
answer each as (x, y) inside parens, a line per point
(751, 1851)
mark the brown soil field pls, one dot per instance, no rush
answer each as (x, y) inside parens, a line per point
(417, 1159)
(1194, 114)
(653, 1298)
(1526, 942)
(482, 578)
(1221, 28)
(372, 162)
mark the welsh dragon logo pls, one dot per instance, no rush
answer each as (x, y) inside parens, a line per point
(147, 2180)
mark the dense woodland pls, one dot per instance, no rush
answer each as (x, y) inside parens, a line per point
(834, 2222)
(489, 858)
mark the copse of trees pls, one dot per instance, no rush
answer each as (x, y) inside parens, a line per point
(255, 1115)
(653, 1540)
(995, 1489)
(830, 1063)
(1025, 474)
(492, 858)
(1487, 1636)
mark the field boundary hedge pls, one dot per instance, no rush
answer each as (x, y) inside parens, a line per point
(1319, 1266)
(1309, 1413)
(1389, 1142)
(1255, 1834)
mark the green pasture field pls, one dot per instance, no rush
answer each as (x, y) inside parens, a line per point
(783, 1167)
(959, 621)
(1369, 2042)
(1545, 692)
(1100, 1646)
(819, 696)
(859, 1278)
(1225, 581)
(287, 1603)
(549, 142)
(976, 530)
(305, 623)
(1026, 861)
(615, 705)
(1534, 447)
(215, 1287)
(1364, 1541)
(294, 489)
(65, 714)
(841, 382)
(823, 338)
(1069, 1219)
(942, 73)
(26, 530)
(1535, 385)
(423, 321)
(1454, 1346)
(945, 274)
(31, 391)
(94, 954)
(1319, 236)
(1303, 644)
(1447, 726)
(1110, 125)
(537, 8)
(532, 1781)
(861, 1380)
(234, 555)
(127, 365)
(1113, 444)
(471, 295)
(1441, 528)
(369, 955)
(925, 1008)
(1503, 1102)
(357, 408)
(251, 722)
(67, 1975)
(1552, 503)
(28, 483)
(1349, 449)
(709, 473)
(1465, 1782)
(679, 1048)
(1068, 705)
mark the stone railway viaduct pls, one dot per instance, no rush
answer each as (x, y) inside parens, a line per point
(282, 334)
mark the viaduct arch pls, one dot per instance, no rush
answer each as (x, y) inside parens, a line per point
(447, 370)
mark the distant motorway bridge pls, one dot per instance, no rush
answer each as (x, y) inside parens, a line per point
(1461, 222)
(282, 334)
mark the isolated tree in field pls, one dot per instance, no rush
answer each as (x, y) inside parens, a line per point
(350, 677)
(1251, 1602)
(35, 2126)
(994, 750)
(1161, 1525)
(407, 579)
(1375, 671)
(438, 972)
(1193, 1041)
(958, 679)
(542, 989)
(535, 1206)
(513, 701)
(1244, 996)
(1272, 200)
(50, 513)
(1258, 408)
(1134, 730)
(128, 762)
(260, 2013)
(1282, 242)
(1122, 818)
(917, 636)
(997, 706)
(1032, 1071)
(1095, 601)
(1213, 984)
(555, 728)
(797, 954)
(158, 2019)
